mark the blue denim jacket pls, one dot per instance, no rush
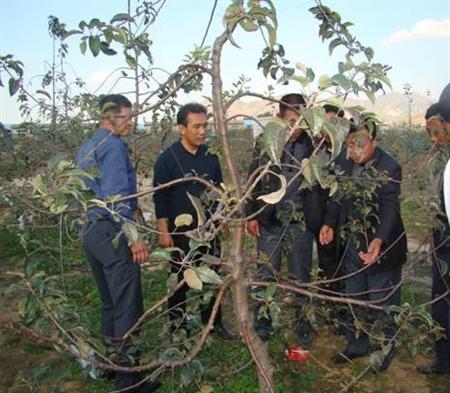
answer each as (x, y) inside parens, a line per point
(106, 153)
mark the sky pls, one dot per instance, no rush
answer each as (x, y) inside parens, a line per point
(410, 35)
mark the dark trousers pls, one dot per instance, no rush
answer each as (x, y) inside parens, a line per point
(177, 302)
(119, 283)
(297, 243)
(329, 264)
(440, 310)
(369, 287)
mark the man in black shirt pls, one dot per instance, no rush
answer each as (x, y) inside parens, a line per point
(187, 157)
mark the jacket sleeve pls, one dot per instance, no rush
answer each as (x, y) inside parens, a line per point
(252, 203)
(389, 205)
(334, 207)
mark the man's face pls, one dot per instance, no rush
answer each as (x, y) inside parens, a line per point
(438, 131)
(122, 122)
(194, 132)
(290, 117)
(361, 146)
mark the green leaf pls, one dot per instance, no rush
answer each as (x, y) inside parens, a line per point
(310, 74)
(275, 197)
(307, 171)
(272, 35)
(206, 389)
(121, 17)
(14, 85)
(232, 41)
(300, 79)
(164, 253)
(94, 22)
(201, 218)
(172, 282)
(71, 32)
(130, 232)
(83, 46)
(43, 92)
(369, 52)
(274, 139)
(207, 275)
(131, 61)
(270, 290)
(94, 45)
(324, 82)
(192, 279)
(333, 44)
(248, 25)
(106, 49)
(120, 36)
(342, 81)
(315, 117)
(183, 220)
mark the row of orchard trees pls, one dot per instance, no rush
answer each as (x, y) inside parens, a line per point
(52, 189)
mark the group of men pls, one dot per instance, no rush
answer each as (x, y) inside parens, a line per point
(369, 264)
(116, 266)
(370, 259)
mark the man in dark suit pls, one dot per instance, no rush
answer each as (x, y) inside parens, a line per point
(367, 220)
(437, 125)
(280, 227)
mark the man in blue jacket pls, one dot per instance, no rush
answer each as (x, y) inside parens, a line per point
(115, 266)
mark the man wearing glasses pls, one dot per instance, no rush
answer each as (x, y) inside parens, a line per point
(367, 220)
(115, 266)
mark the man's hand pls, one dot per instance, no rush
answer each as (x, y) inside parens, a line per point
(326, 235)
(373, 252)
(253, 227)
(139, 251)
(165, 240)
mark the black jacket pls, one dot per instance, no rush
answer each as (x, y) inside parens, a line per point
(389, 226)
(300, 149)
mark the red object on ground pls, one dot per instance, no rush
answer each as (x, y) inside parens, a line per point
(296, 354)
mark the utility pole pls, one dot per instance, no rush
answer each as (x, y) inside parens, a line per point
(407, 91)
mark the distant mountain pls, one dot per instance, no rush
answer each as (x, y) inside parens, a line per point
(391, 108)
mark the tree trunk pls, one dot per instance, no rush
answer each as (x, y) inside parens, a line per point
(241, 305)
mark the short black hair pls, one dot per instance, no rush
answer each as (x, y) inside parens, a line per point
(113, 103)
(333, 108)
(184, 111)
(369, 123)
(293, 101)
(444, 103)
(433, 110)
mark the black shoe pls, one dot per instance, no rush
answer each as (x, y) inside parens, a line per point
(148, 386)
(303, 331)
(385, 363)
(263, 333)
(225, 333)
(346, 355)
(107, 375)
(387, 360)
(304, 340)
(433, 368)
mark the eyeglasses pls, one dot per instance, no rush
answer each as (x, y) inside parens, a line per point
(129, 117)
